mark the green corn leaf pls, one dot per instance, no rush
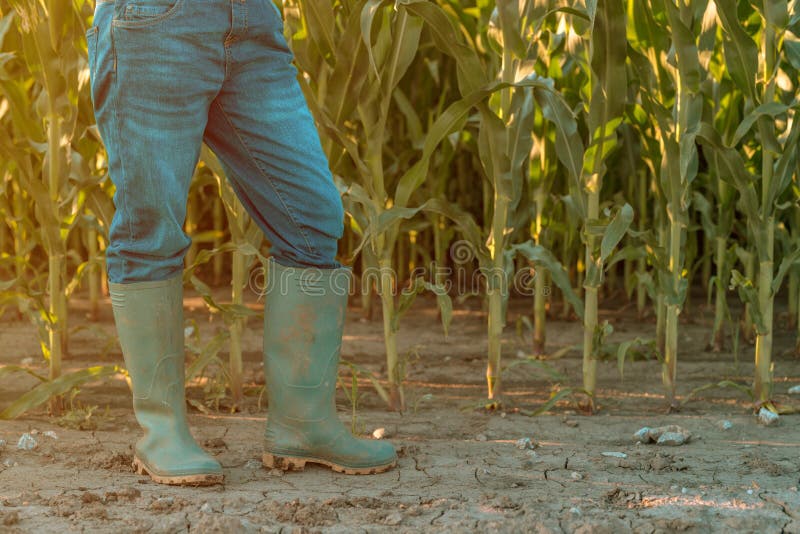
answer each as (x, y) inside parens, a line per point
(791, 49)
(616, 231)
(776, 13)
(568, 145)
(686, 49)
(51, 388)
(741, 52)
(320, 18)
(749, 294)
(541, 257)
(8, 369)
(207, 354)
(769, 109)
(544, 408)
(447, 38)
(733, 169)
(787, 163)
(624, 349)
(787, 263)
(449, 121)
(539, 365)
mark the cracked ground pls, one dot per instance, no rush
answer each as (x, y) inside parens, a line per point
(460, 469)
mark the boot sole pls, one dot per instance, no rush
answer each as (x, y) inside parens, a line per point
(177, 480)
(294, 463)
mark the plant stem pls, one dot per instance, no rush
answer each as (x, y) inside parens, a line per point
(396, 396)
(238, 279)
(590, 300)
(93, 274)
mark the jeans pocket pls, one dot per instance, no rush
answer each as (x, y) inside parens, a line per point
(143, 13)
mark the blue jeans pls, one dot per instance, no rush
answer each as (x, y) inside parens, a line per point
(168, 75)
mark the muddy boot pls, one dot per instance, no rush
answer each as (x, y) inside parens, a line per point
(303, 322)
(149, 319)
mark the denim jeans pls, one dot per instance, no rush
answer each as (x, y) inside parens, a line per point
(168, 75)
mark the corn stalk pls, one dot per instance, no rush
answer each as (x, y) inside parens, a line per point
(772, 130)
(606, 97)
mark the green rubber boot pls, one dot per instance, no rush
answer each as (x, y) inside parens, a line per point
(149, 319)
(303, 322)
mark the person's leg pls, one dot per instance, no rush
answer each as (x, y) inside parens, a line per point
(153, 79)
(261, 128)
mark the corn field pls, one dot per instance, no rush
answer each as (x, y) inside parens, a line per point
(641, 153)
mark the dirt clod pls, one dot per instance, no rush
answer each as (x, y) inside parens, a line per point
(122, 494)
(89, 497)
(621, 497)
(112, 461)
(217, 524)
(11, 518)
(216, 443)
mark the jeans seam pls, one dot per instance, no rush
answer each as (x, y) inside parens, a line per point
(268, 178)
(117, 130)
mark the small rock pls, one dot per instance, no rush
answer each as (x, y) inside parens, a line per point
(188, 331)
(27, 361)
(642, 434)
(393, 519)
(276, 472)
(379, 433)
(27, 442)
(724, 424)
(50, 434)
(614, 454)
(663, 435)
(9, 463)
(526, 444)
(2, 444)
(575, 510)
(794, 390)
(162, 503)
(749, 492)
(521, 355)
(206, 508)
(684, 490)
(673, 439)
(571, 423)
(252, 464)
(768, 418)
(481, 437)
(576, 476)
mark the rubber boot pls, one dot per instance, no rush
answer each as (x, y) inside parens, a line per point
(303, 321)
(149, 319)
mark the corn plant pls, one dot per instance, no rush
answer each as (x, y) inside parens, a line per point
(605, 94)
(504, 105)
(753, 56)
(42, 146)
